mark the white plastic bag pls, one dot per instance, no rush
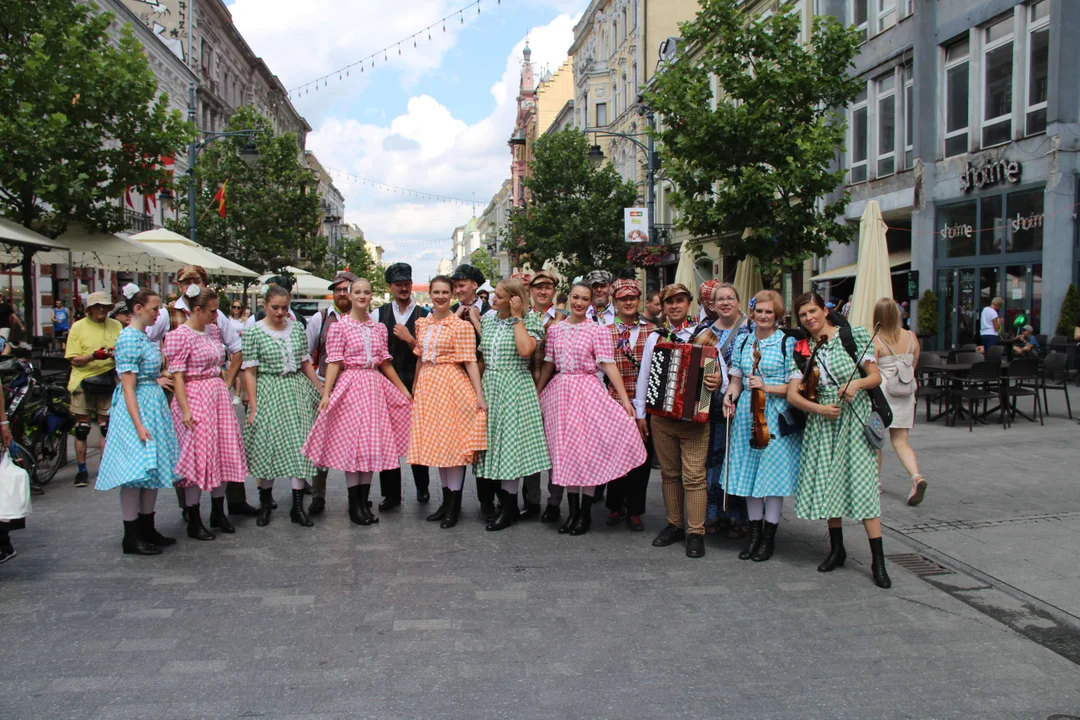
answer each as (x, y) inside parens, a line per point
(14, 489)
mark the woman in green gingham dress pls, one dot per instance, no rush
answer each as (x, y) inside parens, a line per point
(283, 392)
(516, 444)
(838, 475)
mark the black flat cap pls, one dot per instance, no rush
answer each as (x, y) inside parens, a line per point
(398, 272)
(468, 272)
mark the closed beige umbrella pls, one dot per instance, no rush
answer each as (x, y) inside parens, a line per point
(747, 281)
(872, 277)
(684, 273)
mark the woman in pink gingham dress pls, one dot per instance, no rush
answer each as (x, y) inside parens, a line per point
(211, 449)
(591, 439)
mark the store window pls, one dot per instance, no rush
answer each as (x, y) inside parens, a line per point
(886, 125)
(997, 82)
(1038, 66)
(957, 225)
(957, 66)
(857, 162)
(991, 225)
(1025, 221)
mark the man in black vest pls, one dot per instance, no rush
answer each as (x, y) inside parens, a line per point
(317, 329)
(399, 317)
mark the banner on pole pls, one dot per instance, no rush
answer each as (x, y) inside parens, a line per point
(636, 225)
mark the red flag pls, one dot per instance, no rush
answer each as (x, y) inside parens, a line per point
(219, 197)
(127, 197)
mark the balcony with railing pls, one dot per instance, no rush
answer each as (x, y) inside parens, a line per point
(138, 222)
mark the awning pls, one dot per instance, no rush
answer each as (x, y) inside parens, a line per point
(102, 250)
(304, 283)
(896, 259)
(186, 252)
(12, 233)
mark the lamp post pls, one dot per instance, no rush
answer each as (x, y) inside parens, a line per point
(596, 158)
(249, 154)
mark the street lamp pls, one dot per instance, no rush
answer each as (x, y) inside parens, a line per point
(596, 157)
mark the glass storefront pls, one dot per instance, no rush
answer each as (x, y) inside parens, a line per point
(989, 246)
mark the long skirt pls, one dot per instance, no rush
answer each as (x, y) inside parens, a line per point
(448, 429)
(284, 414)
(516, 445)
(212, 453)
(127, 460)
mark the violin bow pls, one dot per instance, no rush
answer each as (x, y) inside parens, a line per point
(877, 329)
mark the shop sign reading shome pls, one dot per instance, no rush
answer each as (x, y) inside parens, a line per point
(990, 174)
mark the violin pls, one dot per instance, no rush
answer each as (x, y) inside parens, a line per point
(812, 376)
(759, 435)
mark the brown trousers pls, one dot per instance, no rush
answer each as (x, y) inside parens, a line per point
(682, 448)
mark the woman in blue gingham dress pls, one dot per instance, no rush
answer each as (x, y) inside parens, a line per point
(763, 476)
(140, 457)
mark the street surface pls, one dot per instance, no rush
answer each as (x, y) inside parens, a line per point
(404, 620)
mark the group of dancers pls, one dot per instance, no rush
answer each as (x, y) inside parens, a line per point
(511, 389)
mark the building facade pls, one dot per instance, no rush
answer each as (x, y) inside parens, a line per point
(465, 240)
(331, 205)
(493, 225)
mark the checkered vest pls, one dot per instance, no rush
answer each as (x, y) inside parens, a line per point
(628, 368)
(536, 360)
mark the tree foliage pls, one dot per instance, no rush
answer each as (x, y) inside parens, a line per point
(576, 217)
(1070, 313)
(760, 163)
(482, 261)
(271, 207)
(353, 255)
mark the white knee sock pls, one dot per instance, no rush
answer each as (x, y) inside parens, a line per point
(147, 501)
(453, 477)
(129, 503)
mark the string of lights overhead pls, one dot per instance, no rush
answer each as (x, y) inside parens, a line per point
(344, 176)
(386, 52)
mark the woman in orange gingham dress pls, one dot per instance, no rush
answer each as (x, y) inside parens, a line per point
(449, 416)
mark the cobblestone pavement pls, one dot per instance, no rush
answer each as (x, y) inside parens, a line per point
(404, 620)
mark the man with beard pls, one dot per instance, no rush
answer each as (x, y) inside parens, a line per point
(317, 329)
(602, 309)
(399, 317)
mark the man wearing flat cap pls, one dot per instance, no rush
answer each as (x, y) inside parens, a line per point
(318, 327)
(400, 316)
(681, 446)
(601, 310)
(467, 279)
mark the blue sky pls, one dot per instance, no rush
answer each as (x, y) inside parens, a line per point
(435, 118)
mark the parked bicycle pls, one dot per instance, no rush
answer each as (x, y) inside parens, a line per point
(39, 416)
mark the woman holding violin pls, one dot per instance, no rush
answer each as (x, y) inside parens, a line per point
(763, 454)
(838, 470)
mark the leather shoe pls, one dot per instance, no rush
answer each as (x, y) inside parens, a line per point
(422, 496)
(615, 517)
(243, 508)
(530, 510)
(318, 504)
(695, 546)
(634, 521)
(551, 514)
(389, 504)
(669, 536)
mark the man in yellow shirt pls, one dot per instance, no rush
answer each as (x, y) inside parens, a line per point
(90, 349)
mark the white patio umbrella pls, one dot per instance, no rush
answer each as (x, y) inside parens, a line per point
(187, 252)
(747, 281)
(872, 278)
(304, 283)
(105, 250)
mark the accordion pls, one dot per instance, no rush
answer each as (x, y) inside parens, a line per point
(676, 386)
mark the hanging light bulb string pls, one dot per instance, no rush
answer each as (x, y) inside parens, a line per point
(400, 190)
(345, 71)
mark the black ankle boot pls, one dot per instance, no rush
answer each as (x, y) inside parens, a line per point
(764, 551)
(453, 512)
(509, 513)
(355, 515)
(218, 519)
(150, 533)
(265, 506)
(297, 514)
(195, 528)
(573, 502)
(584, 519)
(440, 512)
(365, 506)
(753, 540)
(877, 564)
(837, 554)
(133, 542)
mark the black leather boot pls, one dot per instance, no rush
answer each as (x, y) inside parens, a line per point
(355, 515)
(365, 507)
(195, 528)
(453, 512)
(133, 542)
(573, 502)
(877, 564)
(297, 514)
(764, 551)
(753, 540)
(440, 512)
(551, 514)
(837, 554)
(509, 513)
(150, 533)
(263, 518)
(584, 518)
(218, 519)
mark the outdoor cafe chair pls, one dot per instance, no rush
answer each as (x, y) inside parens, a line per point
(1055, 366)
(968, 358)
(995, 354)
(981, 384)
(1024, 381)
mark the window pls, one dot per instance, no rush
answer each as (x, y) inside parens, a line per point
(614, 100)
(633, 13)
(1038, 66)
(859, 140)
(991, 225)
(956, 229)
(860, 14)
(1024, 221)
(909, 118)
(886, 125)
(956, 98)
(624, 23)
(628, 99)
(997, 82)
(886, 14)
(601, 114)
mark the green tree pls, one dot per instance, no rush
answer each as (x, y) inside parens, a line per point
(751, 172)
(271, 206)
(576, 217)
(81, 120)
(354, 256)
(1070, 312)
(481, 260)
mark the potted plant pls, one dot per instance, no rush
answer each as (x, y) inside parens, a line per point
(928, 320)
(1070, 307)
(645, 256)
